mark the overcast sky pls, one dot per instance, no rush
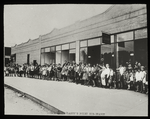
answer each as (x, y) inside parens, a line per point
(24, 22)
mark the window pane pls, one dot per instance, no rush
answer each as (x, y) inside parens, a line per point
(93, 42)
(42, 50)
(47, 58)
(72, 54)
(107, 54)
(125, 52)
(83, 43)
(142, 33)
(58, 47)
(125, 36)
(52, 49)
(47, 49)
(112, 38)
(72, 45)
(58, 57)
(65, 46)
(72, 51)
(141, 51)
(83, 55)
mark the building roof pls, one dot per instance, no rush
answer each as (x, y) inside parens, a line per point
(110, 13)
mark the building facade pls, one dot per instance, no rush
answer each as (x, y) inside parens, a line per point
(83, 41)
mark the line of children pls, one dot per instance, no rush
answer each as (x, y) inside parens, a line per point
(97, 75)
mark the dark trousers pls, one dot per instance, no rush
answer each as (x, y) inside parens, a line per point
(24, 73)
(144, 88)
(20, 73)
(139, 86)
(120, 82)
(64, 77)
(32, 73)
(106, 80)
(78, 78)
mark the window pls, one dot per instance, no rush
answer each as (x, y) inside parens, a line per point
(58, 47)
(112, 38)
(94, 42)
(65, 47)
(72, 54)
(141, 51)
(53, 49)
(125, 52)
(125, 36)
(83, 43)
(72, 45)
(107, 54)
(42, 50)
(58, 57)
(83, 55)
(47, 49)
(72, 51)
(142, 33)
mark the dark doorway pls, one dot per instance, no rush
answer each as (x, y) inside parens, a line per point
(94, 55)
(140, 49)
(65, 55)
(28, 59)
(72, 57)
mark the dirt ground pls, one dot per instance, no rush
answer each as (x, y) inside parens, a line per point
(15, 104)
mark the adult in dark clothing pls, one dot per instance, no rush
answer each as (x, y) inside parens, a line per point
(24, 70)
(79, 74)
(59, 72)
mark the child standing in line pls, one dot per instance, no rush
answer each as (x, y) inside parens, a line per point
(44, 72)
(130, 80)
(143, 76)
(146, 83)
(138, 80)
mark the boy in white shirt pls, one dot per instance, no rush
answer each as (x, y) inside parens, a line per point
(143, 76)
(138, 78)
(108, 74)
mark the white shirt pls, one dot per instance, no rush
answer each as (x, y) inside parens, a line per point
(107, 72)
(44, 70)
(131, 78)
(121, 70)
(143, 76)
(32, 68)
(103, 72)
(77, 68)
(49, 69)
(138, 76)
(89, 69)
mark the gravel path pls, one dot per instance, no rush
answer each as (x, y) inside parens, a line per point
(15, 104)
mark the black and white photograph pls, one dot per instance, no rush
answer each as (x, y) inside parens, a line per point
(75, 59)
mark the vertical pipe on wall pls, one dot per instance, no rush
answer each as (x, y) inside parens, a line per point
(116, 61)
(77, 51)
(40, 47)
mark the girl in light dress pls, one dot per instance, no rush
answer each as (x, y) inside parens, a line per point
(44, 72)
(85, 75)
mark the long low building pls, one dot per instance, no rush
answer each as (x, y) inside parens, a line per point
(115, 36)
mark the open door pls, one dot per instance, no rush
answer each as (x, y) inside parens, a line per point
(94, 55)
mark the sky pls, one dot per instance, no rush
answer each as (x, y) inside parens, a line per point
(24, 22)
